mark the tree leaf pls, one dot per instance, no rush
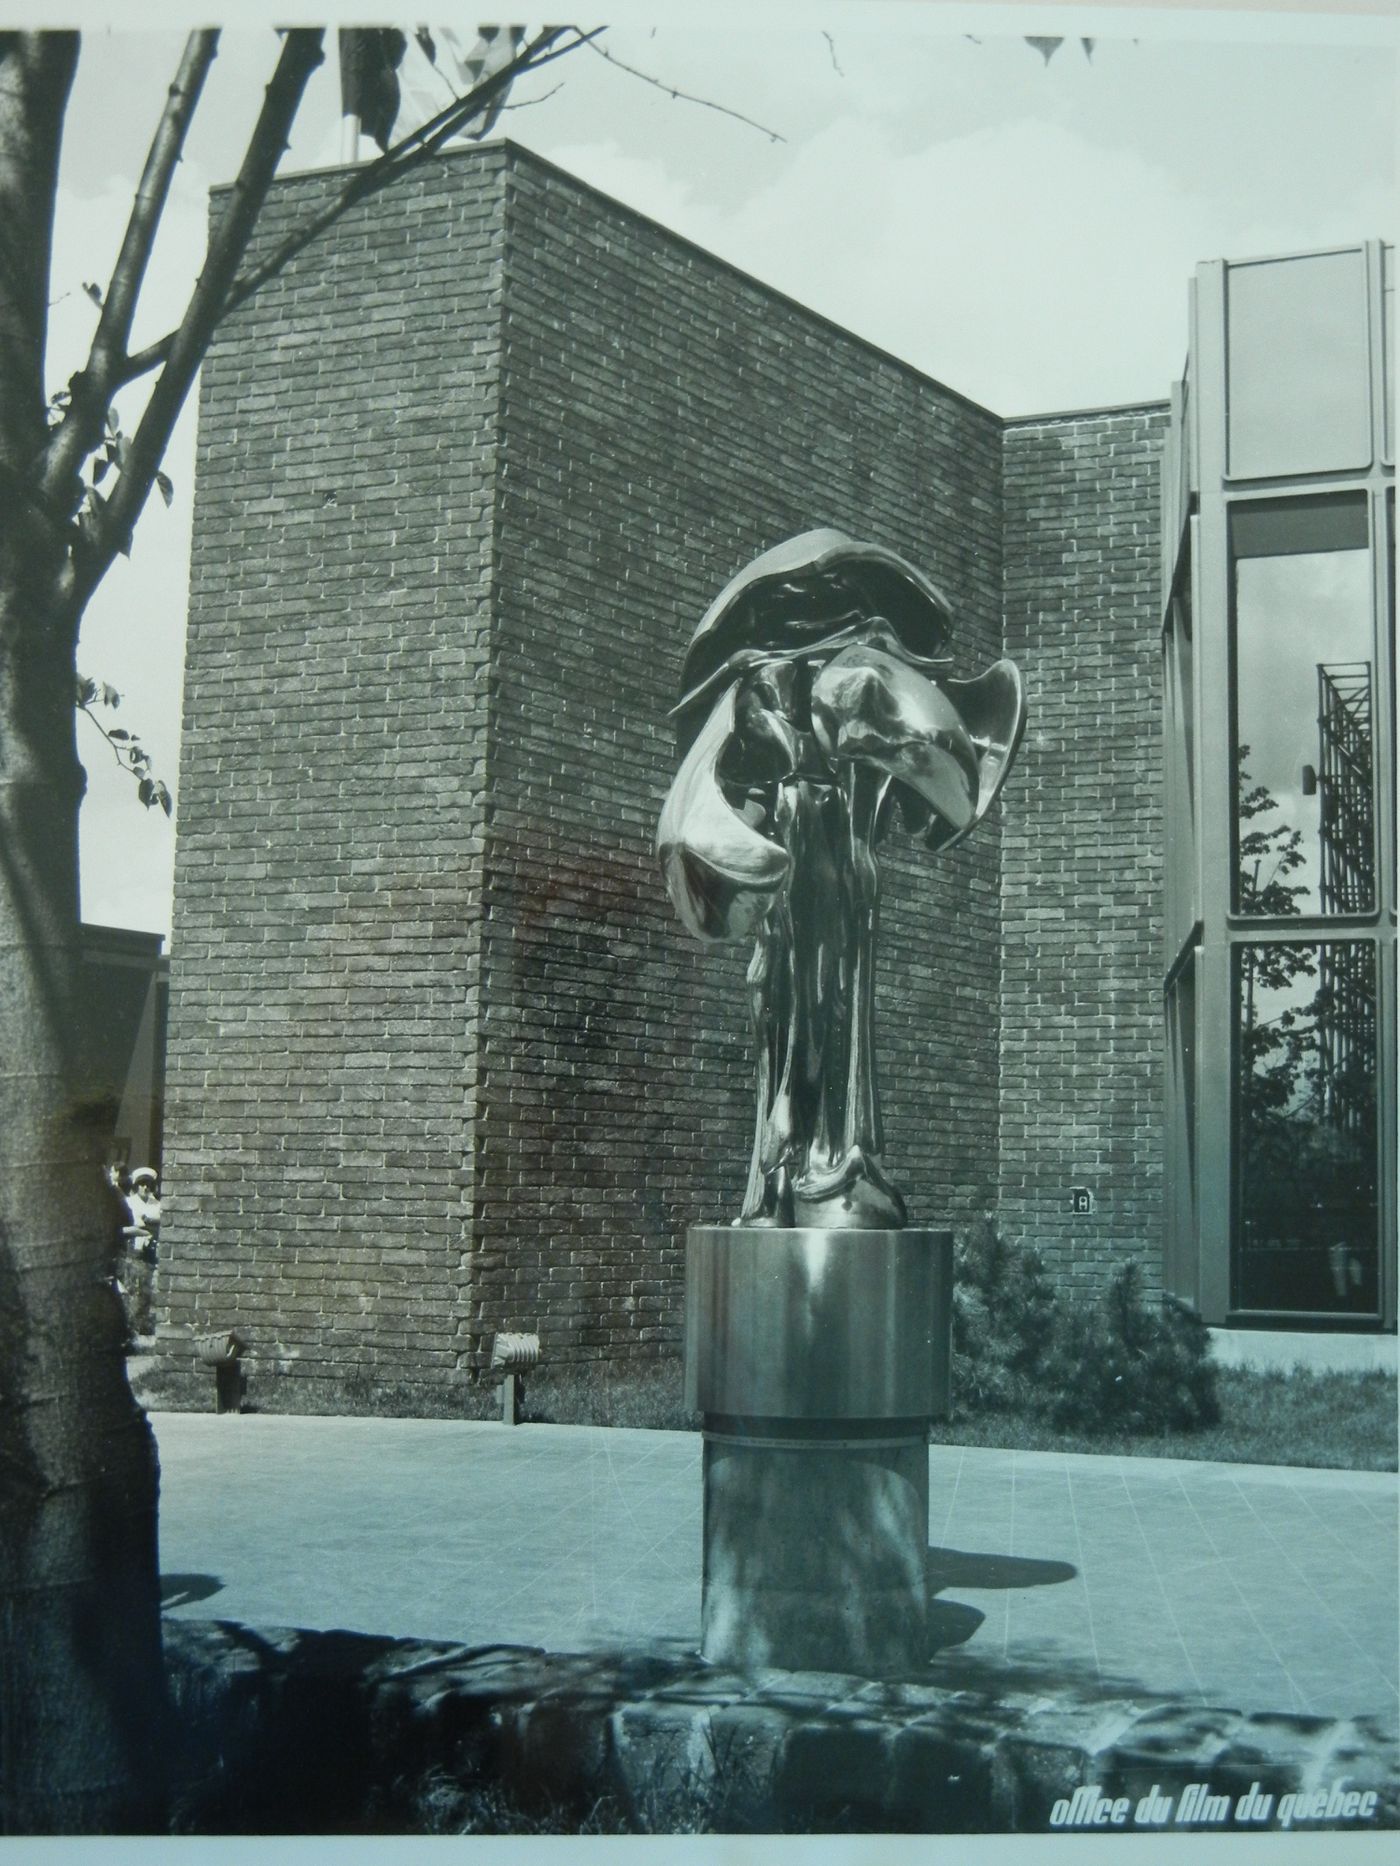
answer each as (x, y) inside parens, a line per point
(93, 291)
(87, 690)
(118, 732)
(167, 488)
(99, 469)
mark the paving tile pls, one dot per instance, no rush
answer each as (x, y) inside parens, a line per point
(1223, 1584)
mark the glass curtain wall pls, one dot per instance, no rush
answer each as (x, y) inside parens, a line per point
(1279, 742)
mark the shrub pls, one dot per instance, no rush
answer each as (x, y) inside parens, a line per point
(1111, 1366)
(1117, 1365)
(1003, 1320)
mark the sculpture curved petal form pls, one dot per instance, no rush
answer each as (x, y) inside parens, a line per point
(812, 692)
(812, 593)
(868, 708)
(993, 709)
(720, 872)
(766, 742)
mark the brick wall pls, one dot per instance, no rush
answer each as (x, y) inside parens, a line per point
(1082, 846)
(387, 983)
(665, 419)
(442, 1060)
(322, 1031)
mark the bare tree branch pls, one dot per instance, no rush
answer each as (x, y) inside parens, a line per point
(706, 103)
(301, 54)
(91, 390)
(104, 528)
(532, 103)
(411, 150)
(430, 136)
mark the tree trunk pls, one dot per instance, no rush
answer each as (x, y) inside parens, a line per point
(82, 1701)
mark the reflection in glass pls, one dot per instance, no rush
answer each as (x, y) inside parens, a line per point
(1181, 1182)
(1179, 695)
(1303, 708)
(1300, 323)
(1388, 353)
(1388, 634)
(1305, 1128)
(1342, 785)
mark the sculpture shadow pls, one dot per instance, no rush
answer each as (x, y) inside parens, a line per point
(180, 1590)
(952, 1622)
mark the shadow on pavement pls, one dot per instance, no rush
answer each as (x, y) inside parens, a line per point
(962, 1568)
(179, 1590)
(952, 1622)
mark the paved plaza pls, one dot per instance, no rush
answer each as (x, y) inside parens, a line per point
(1236, 1585)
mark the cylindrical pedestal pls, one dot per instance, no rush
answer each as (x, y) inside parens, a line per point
(817, 1358)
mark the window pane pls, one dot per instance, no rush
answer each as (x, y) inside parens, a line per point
(1303, 708)
(1180, 757)
(1388, 765)
(1306, 1234)
(1388, 300)
(1183, 1266)
(1299, 371)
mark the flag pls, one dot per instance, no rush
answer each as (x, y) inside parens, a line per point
(495, 47)
(369, 78)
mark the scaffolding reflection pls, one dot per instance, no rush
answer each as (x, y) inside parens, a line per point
(1343, 783)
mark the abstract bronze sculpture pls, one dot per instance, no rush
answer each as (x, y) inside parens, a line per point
(815, 700)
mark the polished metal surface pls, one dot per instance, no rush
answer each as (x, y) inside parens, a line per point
(730, 1432)
(813, 592)
(816, 1559)
(813, 704)
(817, 1324)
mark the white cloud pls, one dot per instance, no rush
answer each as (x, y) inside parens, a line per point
(1023, 263)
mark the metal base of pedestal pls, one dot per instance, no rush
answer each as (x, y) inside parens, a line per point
(817, 1359)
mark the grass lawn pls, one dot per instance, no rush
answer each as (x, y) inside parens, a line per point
(1344, 1421)
(1341, 1421)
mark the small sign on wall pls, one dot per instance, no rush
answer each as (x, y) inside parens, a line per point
(1081, 1201)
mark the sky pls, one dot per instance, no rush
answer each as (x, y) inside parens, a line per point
(1023, 230)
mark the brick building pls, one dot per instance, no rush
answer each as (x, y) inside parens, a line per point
(441, 1059)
